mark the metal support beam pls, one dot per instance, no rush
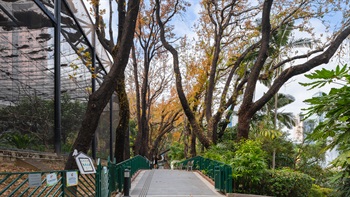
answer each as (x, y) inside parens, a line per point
(57, 91)
(49, 14)
(111, 128)
(93, 86)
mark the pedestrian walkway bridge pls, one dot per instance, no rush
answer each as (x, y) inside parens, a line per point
(114, 178)
(171, 183)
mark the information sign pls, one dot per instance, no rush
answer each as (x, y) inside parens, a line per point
(51, 179)
(34, 180)
(72, 178)
(84, 163)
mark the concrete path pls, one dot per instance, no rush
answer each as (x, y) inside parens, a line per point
(171, 183)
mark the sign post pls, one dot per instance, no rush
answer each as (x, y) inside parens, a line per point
(84, 163)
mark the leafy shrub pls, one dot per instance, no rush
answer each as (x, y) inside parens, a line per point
(317, 191)
(286, 183)
(248, 167)
(223, 152)
(17, 140)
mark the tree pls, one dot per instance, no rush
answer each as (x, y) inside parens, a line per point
(248, 107)
(267, 113)
(335, 128)
(162, 112)
(165, 124)
(185, 105)
(238, 62)
(127, 15)
(267, 125)
(150, 56)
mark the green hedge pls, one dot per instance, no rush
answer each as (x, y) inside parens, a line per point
(286, 183)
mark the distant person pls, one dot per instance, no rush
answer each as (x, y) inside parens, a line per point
(156, 162)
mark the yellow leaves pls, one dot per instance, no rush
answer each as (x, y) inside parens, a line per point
(86, 55)
(102, 12)
(81, 49)
(84, 58)
(176, 136)
(94, 2)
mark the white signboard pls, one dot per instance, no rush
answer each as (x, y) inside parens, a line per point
(84, 163)
(51, 179)
(72, 178)
(34, 180)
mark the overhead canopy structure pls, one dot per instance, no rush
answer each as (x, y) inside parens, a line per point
(49, 49)
(27, 50)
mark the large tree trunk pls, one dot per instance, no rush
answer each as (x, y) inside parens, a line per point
(212, 81)
(243, 126)
(123, 125)
(127, 143)
(137, 143)
(142, 139)
(213, 127)
(245, 112)
(183, 100)
(99, 99)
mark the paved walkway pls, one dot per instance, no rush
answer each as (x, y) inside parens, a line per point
(171, 183)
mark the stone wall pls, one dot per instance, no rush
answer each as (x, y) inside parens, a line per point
(14, 154)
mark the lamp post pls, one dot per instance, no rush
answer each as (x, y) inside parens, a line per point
(126, 182)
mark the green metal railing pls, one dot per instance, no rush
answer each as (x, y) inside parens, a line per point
(117, 170)
(219, 172)
(17, 184)
(106, 180)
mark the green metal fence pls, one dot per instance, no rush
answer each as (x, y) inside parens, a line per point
(117, 170)
(35, 184)
(219, 172)
(107, 179)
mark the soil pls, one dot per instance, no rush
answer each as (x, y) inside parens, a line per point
(8, 166)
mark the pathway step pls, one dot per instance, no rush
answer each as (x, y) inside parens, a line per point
(171, 183)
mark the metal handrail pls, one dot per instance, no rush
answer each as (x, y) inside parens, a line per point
(117, 170)
(219, 172)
